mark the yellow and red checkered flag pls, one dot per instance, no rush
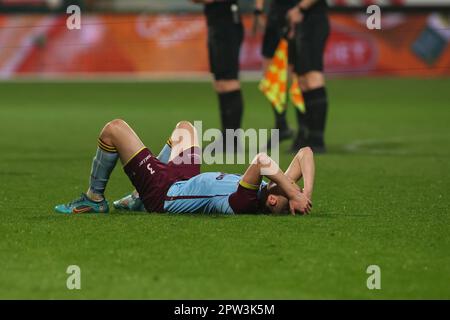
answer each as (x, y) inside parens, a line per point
(296, 95)
(274, 83)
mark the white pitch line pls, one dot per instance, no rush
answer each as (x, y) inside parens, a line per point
(371, 146)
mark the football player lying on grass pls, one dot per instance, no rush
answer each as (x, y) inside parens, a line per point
(172, 182)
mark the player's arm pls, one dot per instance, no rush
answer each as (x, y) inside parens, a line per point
(262, 166)
(303, 166)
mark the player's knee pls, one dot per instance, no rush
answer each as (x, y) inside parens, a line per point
(113, 126)
(185, 125)
(184, 133)
(117, 124)
(305, 151)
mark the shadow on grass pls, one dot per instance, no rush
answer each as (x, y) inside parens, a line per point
(52, 216)
(373, 147)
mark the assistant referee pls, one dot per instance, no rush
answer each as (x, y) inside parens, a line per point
(309, 25)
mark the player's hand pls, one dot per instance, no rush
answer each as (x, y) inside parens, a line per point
(308, 193)
(294, 17)
(300, 203)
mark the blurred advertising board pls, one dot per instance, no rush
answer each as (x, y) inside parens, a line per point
(13, 6)
(170, 44)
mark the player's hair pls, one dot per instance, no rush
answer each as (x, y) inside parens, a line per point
(282, 205)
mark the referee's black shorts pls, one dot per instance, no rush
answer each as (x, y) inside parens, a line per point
(306, 50)
(310, 39)
(224, 44)
(275, 29)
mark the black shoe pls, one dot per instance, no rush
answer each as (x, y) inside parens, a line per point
(317, 143)
(284, 134)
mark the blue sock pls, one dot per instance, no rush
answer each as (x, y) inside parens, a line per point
(103, 164)
(164, 155)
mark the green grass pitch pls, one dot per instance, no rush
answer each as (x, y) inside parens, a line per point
(381, 199)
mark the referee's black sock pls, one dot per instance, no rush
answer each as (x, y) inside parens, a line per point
(231, 109)
(316, 103)
(303, 129)
(280, 120)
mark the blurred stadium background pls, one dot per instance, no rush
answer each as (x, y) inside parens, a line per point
(160, 38)
(380, 190)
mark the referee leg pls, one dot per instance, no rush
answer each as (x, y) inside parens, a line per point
(276, 21)
(311, 39)
(224, 43)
